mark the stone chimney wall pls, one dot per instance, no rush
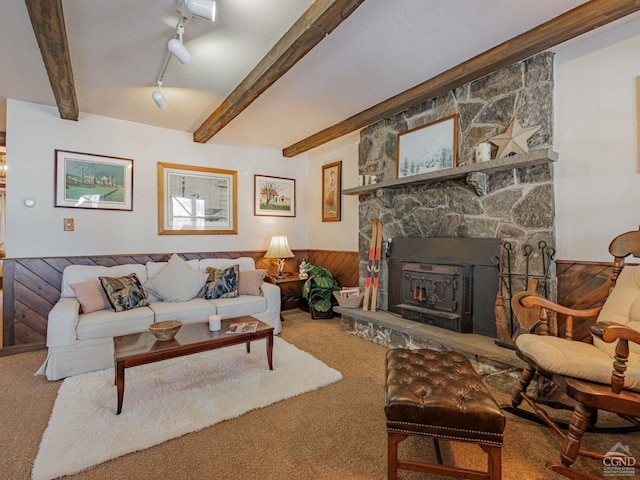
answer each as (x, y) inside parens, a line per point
(516, 206)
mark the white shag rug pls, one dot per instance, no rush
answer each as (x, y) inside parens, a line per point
(167, 399)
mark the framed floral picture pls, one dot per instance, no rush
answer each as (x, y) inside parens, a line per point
(195, 200)
(428, 148)
(331, 191)
(274, 196)
(87, 180)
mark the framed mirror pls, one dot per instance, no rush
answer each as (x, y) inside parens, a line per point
(196, 200)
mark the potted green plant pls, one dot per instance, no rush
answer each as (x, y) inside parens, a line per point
(318, 291)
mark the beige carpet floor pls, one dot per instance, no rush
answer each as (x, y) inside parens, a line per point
(337, 432)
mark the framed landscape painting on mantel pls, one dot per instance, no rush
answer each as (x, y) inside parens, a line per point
(274, 196)
(196, 200)
(428, 148)
(331, 191)
(86, 180)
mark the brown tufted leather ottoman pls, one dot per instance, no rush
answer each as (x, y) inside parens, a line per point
(439, 395)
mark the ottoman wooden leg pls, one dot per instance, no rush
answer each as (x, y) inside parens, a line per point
(494, 455)
(393, 439)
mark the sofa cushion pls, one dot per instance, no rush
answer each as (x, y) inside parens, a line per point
(250, 281)
(244, 263)
(221, 283)
(176, 282)
(83, 273)
(106, 323)
(193, 311)
(153, 268)
(91, 296)
(239, 306)
(124, 293)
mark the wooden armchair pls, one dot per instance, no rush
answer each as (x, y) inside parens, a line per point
(603, 375)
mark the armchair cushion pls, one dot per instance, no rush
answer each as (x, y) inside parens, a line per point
(574, 359)
(623, 307)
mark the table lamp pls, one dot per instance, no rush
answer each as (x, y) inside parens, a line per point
(279, 249)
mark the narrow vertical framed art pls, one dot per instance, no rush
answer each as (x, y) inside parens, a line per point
(331, 191)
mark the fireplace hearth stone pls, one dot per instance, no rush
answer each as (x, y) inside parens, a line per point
(499, 366)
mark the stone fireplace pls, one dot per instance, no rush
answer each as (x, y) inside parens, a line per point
(513, 204)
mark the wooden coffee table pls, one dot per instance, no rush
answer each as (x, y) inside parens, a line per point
(142, 348)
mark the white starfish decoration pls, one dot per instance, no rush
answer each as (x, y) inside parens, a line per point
(514, 140)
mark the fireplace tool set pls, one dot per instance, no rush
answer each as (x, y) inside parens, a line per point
(508, 280)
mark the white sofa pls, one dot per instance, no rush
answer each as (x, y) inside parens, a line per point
(83, 342)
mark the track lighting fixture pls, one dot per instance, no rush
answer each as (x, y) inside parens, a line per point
(186, 8)
(158, 97)
(178, 49)
(201, 8)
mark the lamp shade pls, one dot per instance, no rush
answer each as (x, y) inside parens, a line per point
(202, 8)
(179, 51)
(279, 248)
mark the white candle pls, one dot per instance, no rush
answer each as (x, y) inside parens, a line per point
(215, 323)
(483, 152)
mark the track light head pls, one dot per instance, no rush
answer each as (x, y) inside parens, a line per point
(158, 97)
(179, 51)
(202, 8)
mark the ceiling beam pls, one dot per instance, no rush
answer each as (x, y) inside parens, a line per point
(320, 19)
(47, 20)
(573, 23)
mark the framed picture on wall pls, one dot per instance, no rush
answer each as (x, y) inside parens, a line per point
(331, 191)
(87, 180)
(428, 148)
(197, 200)
(274, 196)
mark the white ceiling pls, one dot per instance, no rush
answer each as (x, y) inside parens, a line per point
(382, 49)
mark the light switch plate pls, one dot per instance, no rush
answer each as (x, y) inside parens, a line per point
(69, 225)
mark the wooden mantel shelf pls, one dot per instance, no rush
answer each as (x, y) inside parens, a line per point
(536, 157)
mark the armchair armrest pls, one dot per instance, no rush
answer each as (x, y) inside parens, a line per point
(545, 306)
(610, 332)
(63, 318)
(535, 300)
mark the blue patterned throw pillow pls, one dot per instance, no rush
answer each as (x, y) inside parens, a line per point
(124, 293)
(221, 283)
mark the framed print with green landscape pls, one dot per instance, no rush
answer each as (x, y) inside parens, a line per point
(428, 148)
(195, 200)
(274, 196)
(86, 180)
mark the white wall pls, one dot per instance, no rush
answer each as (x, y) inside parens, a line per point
(35, 131)
(343, 235)
(598, 170)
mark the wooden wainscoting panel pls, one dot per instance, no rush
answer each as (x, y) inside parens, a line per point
(582, 285)
(343, 265)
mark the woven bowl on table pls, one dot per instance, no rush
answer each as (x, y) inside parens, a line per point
(166, 330)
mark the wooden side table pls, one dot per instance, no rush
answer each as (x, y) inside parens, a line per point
(290, 291)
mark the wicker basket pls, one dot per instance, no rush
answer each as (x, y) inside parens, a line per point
(353, 302)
